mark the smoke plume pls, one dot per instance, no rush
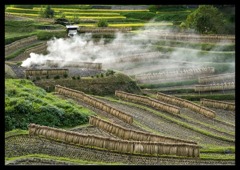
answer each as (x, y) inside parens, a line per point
(133, 54)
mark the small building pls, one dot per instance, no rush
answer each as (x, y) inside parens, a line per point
(72, 30)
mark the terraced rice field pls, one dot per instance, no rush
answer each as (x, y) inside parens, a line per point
(210, 134)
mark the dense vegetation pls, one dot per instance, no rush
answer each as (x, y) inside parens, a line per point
(26, 103)
(208, 19)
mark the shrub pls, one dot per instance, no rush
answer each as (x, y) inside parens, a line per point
(47, 77)
(65, 75)
(73, 78)
(38, 78)
(78, 77)
(109, 72)
(97, 75)
(101, 74)
(48, 12)
(57, 77)
(102, 23)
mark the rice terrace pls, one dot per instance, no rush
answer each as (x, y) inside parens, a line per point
(119, 84)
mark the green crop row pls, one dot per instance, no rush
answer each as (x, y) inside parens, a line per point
(90, 14)
(92, 10)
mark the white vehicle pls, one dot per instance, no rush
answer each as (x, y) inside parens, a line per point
(72, 30)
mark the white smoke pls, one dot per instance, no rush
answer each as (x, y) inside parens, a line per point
(126, 52)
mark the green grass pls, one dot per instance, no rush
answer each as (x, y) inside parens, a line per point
(90, 10)
(204, 156)
(218, 149)
(26, 103)
(15, 132)
(64, 159)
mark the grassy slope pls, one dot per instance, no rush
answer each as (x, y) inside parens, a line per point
(99, 86)
(26, 103)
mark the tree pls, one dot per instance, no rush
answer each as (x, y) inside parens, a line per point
(206, 19)
(48, 12)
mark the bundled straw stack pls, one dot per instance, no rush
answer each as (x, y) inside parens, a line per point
(122, 146)
(129, 134)
(148, 101)
(218, 104)
(185, 103)
(94, 102)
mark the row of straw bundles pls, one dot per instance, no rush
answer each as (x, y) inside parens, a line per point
(89, 65)
(218, 104)
(39, 72)
(215, 87)
(94, 102)
(192, 72)
(111, 144)
(129, 134)
(148, 101)
(199, 37)
(185, 103)
(216, 78)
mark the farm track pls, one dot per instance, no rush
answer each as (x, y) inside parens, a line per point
(166, 127)
(24, 144)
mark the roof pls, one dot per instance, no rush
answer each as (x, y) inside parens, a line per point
(71, 26)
